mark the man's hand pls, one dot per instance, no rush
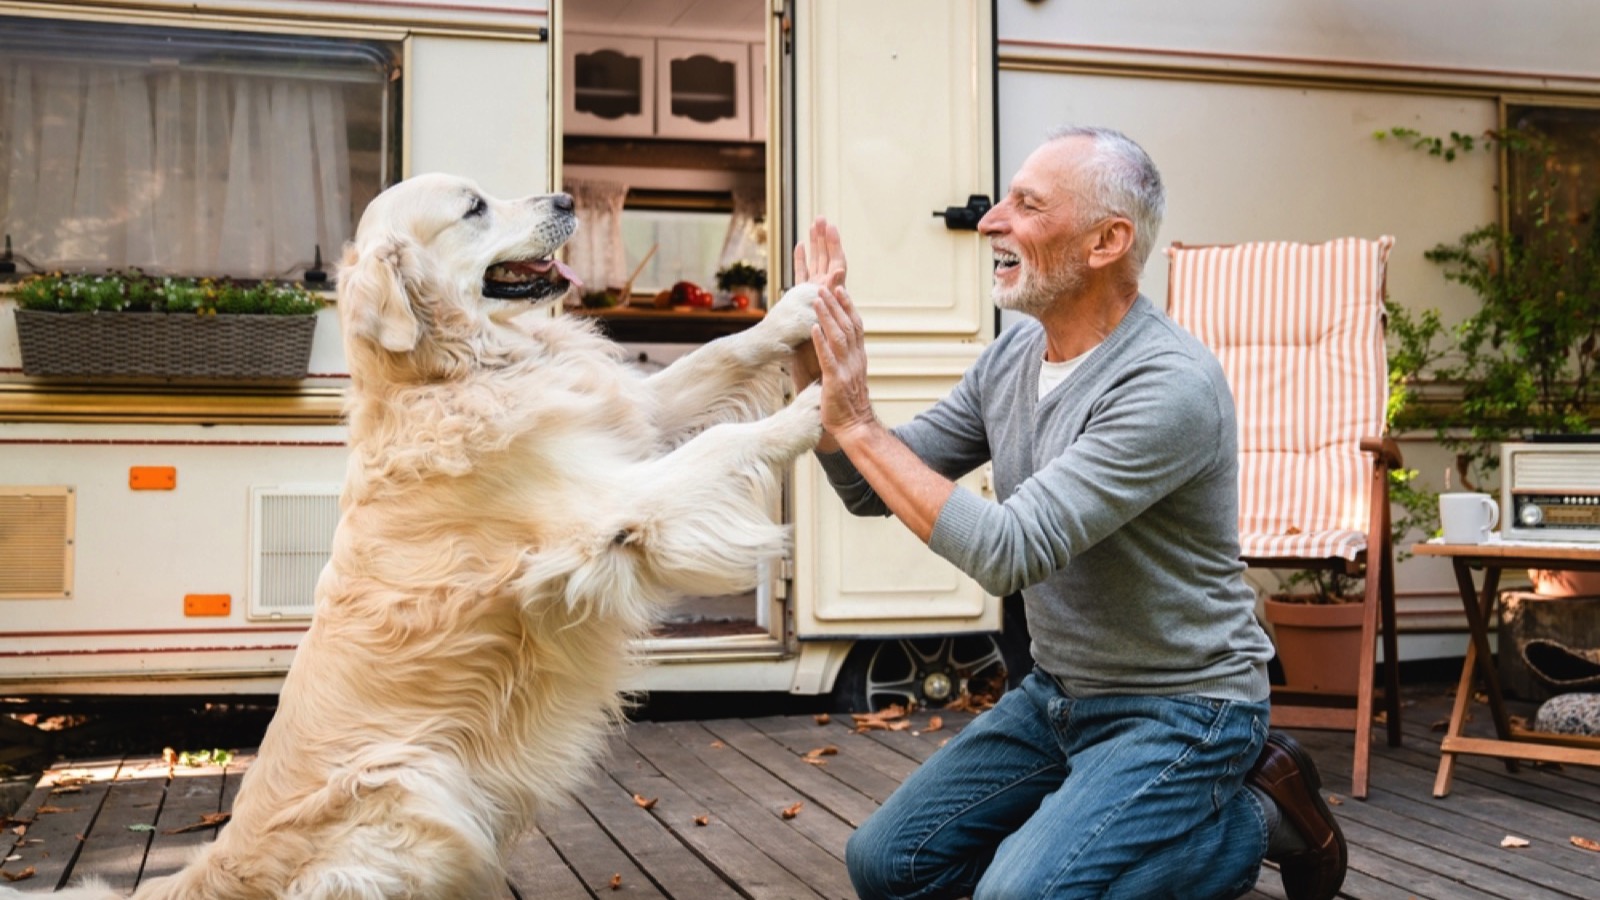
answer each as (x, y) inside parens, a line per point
(840, 343)
(820, 260)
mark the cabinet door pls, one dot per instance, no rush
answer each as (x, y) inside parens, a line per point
(611, 85)
(894, 122)
(703, 90)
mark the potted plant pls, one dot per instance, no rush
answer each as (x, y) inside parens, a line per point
(130, 325)
(1524, 362)
(743, 284)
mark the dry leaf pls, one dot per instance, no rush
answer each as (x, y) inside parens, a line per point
(717, 745)
(881, 719)
(209, 820)
(643, 803)
(703, 820)
(23, 875)
(1439, 725)
(1513, 842)
(790, 812)
(813, 760)
(822, 718)
(934, 723)
(1586, 843)
(616, 882)
(1335, 800)
(169, 756)
(45, 810)
(828, 750)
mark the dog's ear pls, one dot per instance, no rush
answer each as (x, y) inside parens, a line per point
(377, 288)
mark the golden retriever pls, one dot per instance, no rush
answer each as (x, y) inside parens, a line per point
(518, 505)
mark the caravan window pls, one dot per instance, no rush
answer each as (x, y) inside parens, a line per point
(188, 152)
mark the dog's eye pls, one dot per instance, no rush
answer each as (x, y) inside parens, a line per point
(478, 207)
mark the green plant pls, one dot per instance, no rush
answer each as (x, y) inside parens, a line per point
(741, 274)
(1524, 362)
(134, 291)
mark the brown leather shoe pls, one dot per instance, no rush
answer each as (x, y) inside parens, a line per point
(1286, 773)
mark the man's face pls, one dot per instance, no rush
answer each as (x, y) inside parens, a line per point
(1036, 231)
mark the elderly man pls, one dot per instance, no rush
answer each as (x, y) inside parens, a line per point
(1135, 760)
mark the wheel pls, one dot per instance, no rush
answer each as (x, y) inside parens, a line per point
(932, 671)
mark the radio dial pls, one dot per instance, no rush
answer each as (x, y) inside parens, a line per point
(1531, 515)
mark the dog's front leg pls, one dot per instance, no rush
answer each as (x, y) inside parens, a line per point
(734, 378)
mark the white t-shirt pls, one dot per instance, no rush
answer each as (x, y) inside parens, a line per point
(1053, 373)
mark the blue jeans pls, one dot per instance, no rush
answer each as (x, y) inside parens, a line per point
(1049, 796)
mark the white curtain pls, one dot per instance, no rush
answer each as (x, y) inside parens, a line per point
(595, 252)
(747, 230)
(193, 172)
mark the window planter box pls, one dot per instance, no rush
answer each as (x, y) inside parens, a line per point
(164, 346)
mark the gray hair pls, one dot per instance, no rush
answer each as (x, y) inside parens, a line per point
(1122, 181)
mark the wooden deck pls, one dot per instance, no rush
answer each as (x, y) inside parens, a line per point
(730, 808)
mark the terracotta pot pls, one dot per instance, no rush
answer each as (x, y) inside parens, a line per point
(1318, 644)
(1564, 583)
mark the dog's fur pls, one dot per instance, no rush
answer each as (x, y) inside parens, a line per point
(519, 504)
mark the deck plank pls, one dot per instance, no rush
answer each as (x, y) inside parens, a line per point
(739, 774)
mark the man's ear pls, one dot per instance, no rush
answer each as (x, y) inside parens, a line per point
(1113, 240)
(376, 289)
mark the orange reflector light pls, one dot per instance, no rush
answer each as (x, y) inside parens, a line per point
(207, 604)
(153, 478)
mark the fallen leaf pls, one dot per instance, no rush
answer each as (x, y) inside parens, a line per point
(69, 789)
(616, 882)
(883, 718)
(141, 826)
(209, 820)
(828, 750)
(935, 723)
(1439, 725)
(46, 810)
(23, 875)
(1335, 800)
(1513, 842)
(813, 760)
(702, 820)
(1586, 843)
(822, 718)
(643, 803)
(169, 756)
(1381, 717)
(717, 745)
(13, 858)
(790, 812)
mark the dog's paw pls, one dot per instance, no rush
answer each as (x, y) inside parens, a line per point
(797, 426)
(790, 319)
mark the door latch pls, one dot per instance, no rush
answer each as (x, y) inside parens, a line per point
(965, 218)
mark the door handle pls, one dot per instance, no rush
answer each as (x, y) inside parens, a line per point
(965, 218)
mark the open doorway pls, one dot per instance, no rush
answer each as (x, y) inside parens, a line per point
(664, 148)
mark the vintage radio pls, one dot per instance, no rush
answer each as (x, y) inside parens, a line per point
(1550, 490)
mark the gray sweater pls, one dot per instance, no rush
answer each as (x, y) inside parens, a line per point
(1118, 512)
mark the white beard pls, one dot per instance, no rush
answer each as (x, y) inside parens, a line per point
(1035, 290)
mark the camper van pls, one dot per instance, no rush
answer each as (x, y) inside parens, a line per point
(163, 534)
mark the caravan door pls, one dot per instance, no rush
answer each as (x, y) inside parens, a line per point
(894, 121)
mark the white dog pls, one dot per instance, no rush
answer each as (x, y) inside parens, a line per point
(518, 505)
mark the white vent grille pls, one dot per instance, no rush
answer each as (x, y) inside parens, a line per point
(1556, 469)
(292, 531)
(36, 540)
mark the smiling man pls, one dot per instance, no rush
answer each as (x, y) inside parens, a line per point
(1135, 760)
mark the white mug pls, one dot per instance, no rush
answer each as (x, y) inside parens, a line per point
(1467, 517)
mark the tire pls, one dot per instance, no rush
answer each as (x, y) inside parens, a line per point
(932, 671)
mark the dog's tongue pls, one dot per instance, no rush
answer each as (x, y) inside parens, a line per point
(544, 267)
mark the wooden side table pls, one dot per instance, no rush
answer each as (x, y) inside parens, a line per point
(1511, 744)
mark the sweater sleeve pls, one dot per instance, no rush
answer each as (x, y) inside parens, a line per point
(1158, 427)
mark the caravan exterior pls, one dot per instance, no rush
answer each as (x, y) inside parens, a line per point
(242, 138)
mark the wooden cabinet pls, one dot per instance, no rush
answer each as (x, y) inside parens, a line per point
(611, 85)
(703, 90)
(667, 88)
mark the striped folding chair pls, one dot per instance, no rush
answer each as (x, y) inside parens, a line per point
(1299, 330)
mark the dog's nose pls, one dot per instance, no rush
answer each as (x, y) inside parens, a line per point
(563, 202)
